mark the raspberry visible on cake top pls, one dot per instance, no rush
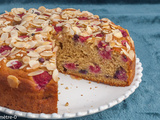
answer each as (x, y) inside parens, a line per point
(37, 43)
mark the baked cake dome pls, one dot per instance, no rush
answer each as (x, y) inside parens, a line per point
(36, 44)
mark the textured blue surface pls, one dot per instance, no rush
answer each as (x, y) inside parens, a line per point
(143, 23)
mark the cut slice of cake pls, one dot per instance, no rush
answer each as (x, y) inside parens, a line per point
(95, 49)
(36, 44)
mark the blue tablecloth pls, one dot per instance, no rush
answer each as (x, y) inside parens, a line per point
(143, 23)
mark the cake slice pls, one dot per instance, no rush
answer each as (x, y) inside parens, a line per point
(36, 44)
(95, 49)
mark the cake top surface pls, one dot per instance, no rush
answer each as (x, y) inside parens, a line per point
(27, 37)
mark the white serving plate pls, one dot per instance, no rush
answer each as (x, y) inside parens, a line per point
(84, 98)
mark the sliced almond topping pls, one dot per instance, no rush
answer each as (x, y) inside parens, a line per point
(22, 66)
(13, 81)
(42, 48)
(14, 52)
(26, 59)
(47, 53)
(21, 45)
(128, 47)
(76, 30)
(32, 44)
(55, 75)
(51, 66)
(108, 37)
(54, 16)
(131, 54)
(17, 18)
(117, 33)
(11, 62)
(4, 36)
(89, 30)
(34, 64)
(7, 29)
(21, 28)
(42, 9)
(33, 54)
(14, 33)
(36, 73)
(55, 49)
(39, 49)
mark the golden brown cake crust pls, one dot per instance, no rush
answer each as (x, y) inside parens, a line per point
(28, 97)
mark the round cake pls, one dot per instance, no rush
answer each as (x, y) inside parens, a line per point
(37, 44)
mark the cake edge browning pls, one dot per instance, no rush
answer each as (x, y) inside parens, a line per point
(25, 95)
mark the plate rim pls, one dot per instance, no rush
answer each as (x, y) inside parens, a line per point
(138, 76)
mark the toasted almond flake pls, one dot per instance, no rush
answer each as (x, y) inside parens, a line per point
(38, 37)
(46, 53)
(47, 29)
(27, 18)
(55, 49)
(125, 52)
(4, 36)
(36, 72)
(131, 54)
(21, 45)
(8, 41)
(128, 47)
(71, 32)
(5, 53)
(58, 9)
(50, 66)
(117, 33)
(54, 16)
(132, 42)
(22, 66)
(55, 75)
(21, 28)
(11, 62)
(42, 9)
(39, 49)
(119, 44)
(14, 52)
(89, 30)
(34, 64)
(112, 44)
(32, 44)
(84, 34)
(17, 18)
(13, 81)
(42, 48)
(7, 29)
(28, 68)
(108, 37)
(14, 34)
(76, 30)
(26, 59)
(33, 54)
